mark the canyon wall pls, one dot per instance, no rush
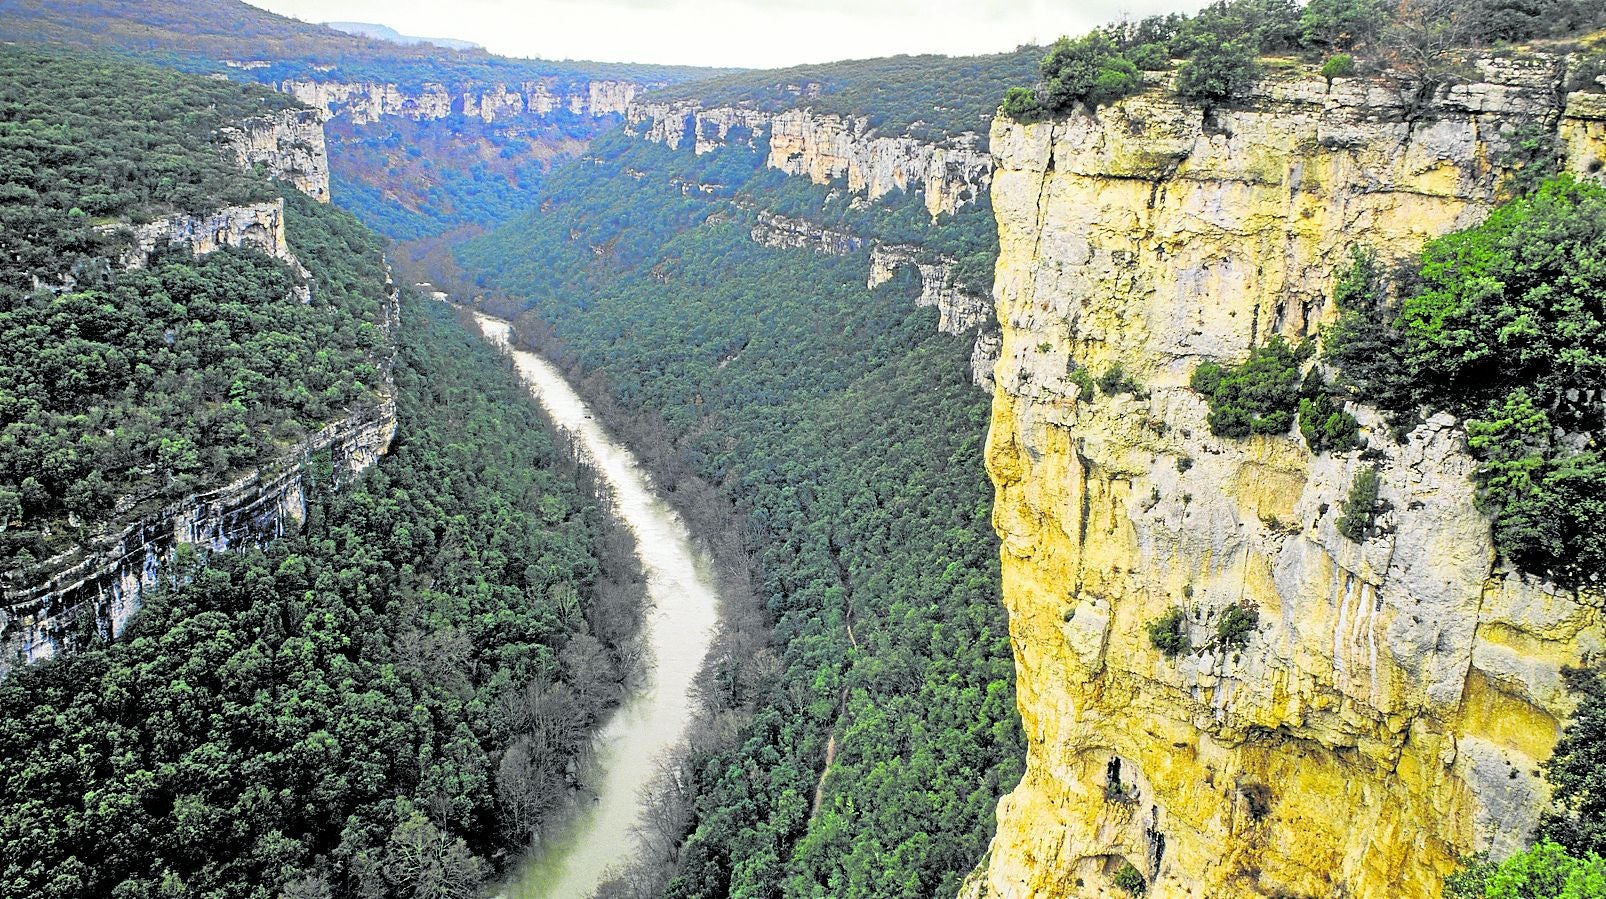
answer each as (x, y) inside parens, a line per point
(290, 145)
(364, 102)
(828, 148)
(1390, 712)
(95, 587)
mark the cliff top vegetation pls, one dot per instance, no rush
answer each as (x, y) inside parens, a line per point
(146, 383)
(1215, 55)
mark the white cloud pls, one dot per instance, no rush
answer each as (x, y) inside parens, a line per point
(749, 33)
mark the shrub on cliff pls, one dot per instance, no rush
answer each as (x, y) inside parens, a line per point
(1546, 871)
(1087, 70)
(1237, 623)
(1130, 880)
(1169, 632)
(1218, 71)
(1258, 396)
(1577, 769)
(1361, 509)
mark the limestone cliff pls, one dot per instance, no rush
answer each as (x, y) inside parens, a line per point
(364, 102)
(1390, 712)
(97, 586)
(290, 145)
(958, 309)
(828, 148)
(256, 226)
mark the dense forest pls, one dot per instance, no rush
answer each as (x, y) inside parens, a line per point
(378, 702)
(841, 433)
(122, 387)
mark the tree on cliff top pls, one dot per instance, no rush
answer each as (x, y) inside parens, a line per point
(1087, 70)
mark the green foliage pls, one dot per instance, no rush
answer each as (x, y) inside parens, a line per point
(1087, 70)
(1503, 326)
(1364, 344)
(1169, 632)
(1130, 879)
(333, 708)
(843, 427)
(1236, 624)
(1341, 25)
(1022, 105)
(1533, 158)
(133, 387)
(1545, 871)
(1083, 379)
(1258, 396)
(86, 141)
(1218, 71)
(1577, 768)
(1361, 508)
(1339, 65)
(1115, 381)
(1322, 419)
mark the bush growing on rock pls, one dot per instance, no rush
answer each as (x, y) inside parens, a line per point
(1087, 70)
(1362, 507)
(1259, 396)
(1168, 633)
(1236, 624)
(1128, 878)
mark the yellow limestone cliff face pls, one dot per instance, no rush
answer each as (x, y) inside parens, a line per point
(1391, 710)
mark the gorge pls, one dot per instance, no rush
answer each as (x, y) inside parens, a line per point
(1165, 463)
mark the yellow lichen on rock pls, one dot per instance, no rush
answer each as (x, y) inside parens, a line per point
(1390, 712)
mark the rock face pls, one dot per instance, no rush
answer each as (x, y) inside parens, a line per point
(290, 144)
(1391, 709)
(98, 586)
(828, 148)
(364, 102)
(785, 232)
(258, 226)
(959, 309)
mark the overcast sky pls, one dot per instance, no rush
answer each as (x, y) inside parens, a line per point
(749, 33)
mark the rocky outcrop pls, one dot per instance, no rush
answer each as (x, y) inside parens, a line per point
(1389, 713)
(827, 149)
(365, 102)
(258, 226)
(959, 309)
(95, 588)
(289, 144)
(785, 232)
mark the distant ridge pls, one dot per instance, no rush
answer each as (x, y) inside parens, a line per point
(390, 35)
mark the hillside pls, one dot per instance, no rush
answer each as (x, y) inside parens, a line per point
(316, 656)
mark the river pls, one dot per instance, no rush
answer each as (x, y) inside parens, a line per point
(677, 630)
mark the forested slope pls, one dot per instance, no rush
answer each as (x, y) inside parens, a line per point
(390, 696)
(842, 432)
